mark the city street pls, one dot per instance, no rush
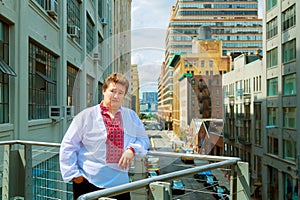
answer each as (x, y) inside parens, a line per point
(193, 189)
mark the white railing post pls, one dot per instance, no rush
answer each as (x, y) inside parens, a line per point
(243, 183)
(239, 181)
(5, 173)
(160, 191)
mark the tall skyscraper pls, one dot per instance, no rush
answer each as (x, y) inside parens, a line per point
(235, 22)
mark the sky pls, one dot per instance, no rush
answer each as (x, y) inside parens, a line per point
(148, 32)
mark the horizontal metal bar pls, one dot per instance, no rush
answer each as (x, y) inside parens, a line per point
(195, 156)
(23, 142)
(145, 182)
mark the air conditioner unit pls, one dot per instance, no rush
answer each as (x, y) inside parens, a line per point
(55, 113)
(69, 111)
(96, 56)
(104, 21)
(52, 8)
(73, 31)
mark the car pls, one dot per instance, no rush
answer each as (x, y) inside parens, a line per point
(210, 181)
(200, 177)
(221, 192)
(177, 187)
(152, 174)
(159, 127)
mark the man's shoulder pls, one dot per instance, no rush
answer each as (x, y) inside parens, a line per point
(129, 111)
(87, 111)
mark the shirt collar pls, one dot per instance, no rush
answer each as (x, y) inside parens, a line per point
(105, 109)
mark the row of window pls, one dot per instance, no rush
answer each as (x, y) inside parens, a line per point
(289, 148)
(211, 24)
(215, 12)
(218, 6)
(289, 117)
(217, 0)
(288, 21)
(243, 31)
(288, 54)
(288, 83)
(225, 44)
(42, 82)
(228, 37)
(239, 88)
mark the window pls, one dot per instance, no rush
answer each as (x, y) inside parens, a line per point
(272, 87)
(271, 4)
(289, 18)
(289, 150)
(272, 57)
(5, 72)
(290, 187)
(272, 28)
(100, 95)
(89, 35)
(257, 115)
(211, 63)
(73, 88)
(289, 117)
(73, 10)
(289, 84)
(289, 51)
(272, 145)
(51, 6)
(42, 82)
(202, 63)
(186, 63)
(272, 116)
(89, 91)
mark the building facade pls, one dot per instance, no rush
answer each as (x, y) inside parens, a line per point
(165, 96)
(135, 88)
(244, 100)
(281, 139)
(197, 83)
(235, 22)
(54, 56)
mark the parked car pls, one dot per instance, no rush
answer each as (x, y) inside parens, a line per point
(201, 176)
(210, 181)
(177, 187)
(221, 192)
(151, 174)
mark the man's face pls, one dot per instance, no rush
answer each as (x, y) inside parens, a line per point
(114, 95)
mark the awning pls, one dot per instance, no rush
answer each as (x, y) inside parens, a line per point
(43, 76)
(173, 61)
(6, 69)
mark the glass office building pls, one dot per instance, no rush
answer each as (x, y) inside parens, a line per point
(235, 22)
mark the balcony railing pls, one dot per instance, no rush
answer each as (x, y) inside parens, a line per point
(30, 170)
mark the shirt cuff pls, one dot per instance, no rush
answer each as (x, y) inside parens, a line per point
(132, 149)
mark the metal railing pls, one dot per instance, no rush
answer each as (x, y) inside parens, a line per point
(30, 170)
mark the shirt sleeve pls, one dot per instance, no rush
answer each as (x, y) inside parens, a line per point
(136, 129)
(69, 148)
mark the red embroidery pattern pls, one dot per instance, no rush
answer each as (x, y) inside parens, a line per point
(115, 135)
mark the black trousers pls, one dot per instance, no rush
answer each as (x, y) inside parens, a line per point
(86, 187)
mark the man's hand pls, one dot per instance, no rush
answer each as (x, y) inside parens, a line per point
(126, 159)
(78, 179)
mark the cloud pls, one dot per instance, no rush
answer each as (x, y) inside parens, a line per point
(155, 13)
(148, 33)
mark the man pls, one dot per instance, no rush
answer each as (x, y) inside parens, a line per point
(101, 142)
